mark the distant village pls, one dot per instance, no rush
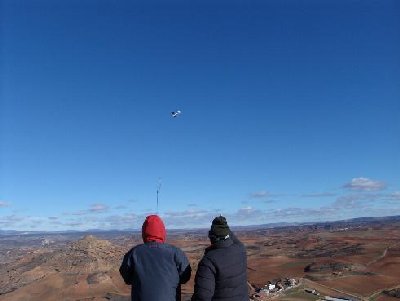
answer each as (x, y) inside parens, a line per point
(276, 287)
(273, 288)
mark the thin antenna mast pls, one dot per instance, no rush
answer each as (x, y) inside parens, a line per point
(158, 191)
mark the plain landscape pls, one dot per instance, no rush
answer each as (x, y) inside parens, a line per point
(357, 259)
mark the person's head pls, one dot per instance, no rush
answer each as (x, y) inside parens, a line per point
(219, 230)
(153, 229)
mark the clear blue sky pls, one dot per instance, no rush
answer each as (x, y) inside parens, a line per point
(290, 112)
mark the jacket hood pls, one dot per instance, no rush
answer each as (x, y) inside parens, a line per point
(153, 229)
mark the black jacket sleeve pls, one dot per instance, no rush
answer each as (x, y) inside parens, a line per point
(127, 268)
(204, 281)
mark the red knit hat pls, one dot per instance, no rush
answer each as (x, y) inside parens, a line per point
(153, 229)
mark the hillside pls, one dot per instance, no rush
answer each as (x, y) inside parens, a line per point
(358, 259)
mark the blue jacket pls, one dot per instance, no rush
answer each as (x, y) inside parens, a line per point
(155, 271)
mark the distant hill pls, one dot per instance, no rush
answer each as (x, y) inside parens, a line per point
(352, 221)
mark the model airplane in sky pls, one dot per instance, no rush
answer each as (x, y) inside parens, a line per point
(176, 113)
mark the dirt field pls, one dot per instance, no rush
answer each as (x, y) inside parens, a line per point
(357, 263)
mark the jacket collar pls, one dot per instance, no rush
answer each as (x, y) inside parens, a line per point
(221, 244)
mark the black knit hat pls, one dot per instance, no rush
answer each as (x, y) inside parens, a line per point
(219, 227)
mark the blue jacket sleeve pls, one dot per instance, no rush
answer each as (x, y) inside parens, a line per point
(127, 268)
(183, 266)
(204, 281)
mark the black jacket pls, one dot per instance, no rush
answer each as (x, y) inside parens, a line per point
(222, 272)
(155, 271)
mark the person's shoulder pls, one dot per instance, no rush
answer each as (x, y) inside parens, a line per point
(212, 252)
(238, 243)
(178, 252)
(209, 249)
(211, 256)
(136, 248)
(238, 247)
(172, 248)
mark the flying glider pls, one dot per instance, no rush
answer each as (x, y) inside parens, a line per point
(176, 113)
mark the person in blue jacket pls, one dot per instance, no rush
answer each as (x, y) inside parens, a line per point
(155, 269)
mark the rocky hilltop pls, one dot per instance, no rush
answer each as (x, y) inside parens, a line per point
(78, 270)
(87, 255)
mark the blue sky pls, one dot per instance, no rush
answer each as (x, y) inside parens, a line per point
(290, 112)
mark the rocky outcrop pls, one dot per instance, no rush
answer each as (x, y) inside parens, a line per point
(393, 293)
(90, 256)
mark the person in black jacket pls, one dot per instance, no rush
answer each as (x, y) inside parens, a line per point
(222, 272)
(155, 269)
